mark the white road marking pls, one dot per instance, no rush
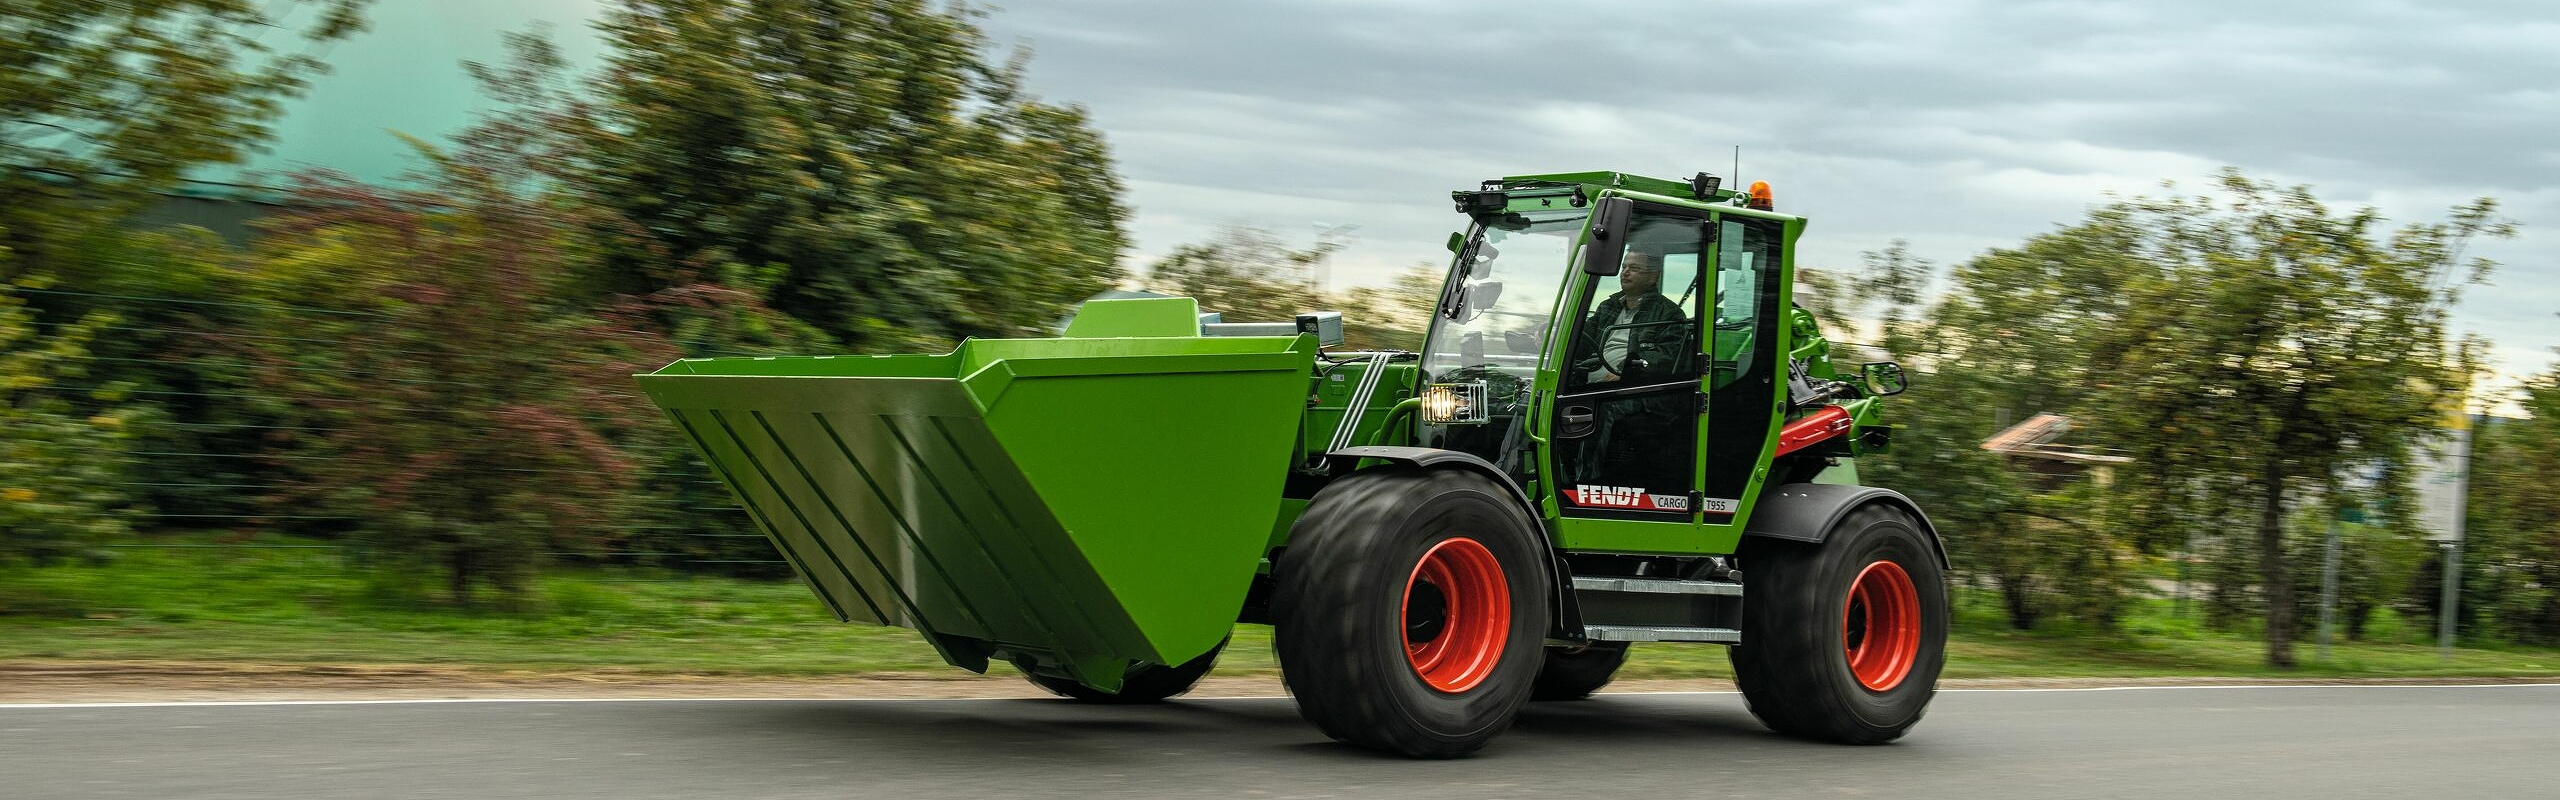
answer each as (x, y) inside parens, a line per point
(1607, 693)
(445, 700)
(2274, 686)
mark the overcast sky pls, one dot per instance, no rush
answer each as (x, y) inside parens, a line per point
(1957, 125)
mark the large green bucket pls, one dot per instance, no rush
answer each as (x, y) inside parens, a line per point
(1077, 505)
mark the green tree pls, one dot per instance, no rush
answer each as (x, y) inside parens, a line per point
(2266, 344)
(2512, 558)
(1391, 317)
(1244, 274)
(2006, 341)
(859, 158)
(65, 451)
(178, 320)
(103, 103)
(1248, 274)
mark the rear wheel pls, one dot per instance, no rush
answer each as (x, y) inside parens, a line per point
(1573, 673)
(1411, 609)
(1151, 683)
(1842, 641)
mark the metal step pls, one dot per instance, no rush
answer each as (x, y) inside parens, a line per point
(1656, 586)
(1647, 633)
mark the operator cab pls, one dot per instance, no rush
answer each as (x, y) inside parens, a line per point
(1591, 358)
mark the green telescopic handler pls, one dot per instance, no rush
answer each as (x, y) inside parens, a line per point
(1620, 428)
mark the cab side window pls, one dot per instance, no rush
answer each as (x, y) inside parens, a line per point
(1744, 376)
(1746, 250)
(1639, 328)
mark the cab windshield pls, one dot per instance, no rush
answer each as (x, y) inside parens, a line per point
(1491, 323)
(1494, 316)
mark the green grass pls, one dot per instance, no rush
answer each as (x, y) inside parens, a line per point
(302, 606)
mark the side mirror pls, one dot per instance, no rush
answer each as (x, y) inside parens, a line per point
(1608, 242)
(1884, 378)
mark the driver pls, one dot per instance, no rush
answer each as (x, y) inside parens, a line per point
(1635, 348)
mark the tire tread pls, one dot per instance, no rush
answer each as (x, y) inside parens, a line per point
(1779, 665)
(1331, 565)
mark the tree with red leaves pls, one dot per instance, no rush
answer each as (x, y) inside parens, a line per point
(467, 419)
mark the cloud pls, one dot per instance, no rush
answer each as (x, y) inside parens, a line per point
(1956, 124)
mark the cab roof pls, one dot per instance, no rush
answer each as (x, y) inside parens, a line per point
(1613, 180)
(1659, 187)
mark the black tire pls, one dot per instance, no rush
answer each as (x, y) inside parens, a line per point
(1794, 662)
(1353, 580)
(1151, 683)
(1573, 673)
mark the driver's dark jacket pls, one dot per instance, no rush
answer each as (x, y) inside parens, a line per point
(1661, 348)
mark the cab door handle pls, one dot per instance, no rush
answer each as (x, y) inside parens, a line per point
(1578, 422)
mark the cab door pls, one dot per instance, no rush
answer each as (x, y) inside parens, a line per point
(1624, 421)
(1745, 369)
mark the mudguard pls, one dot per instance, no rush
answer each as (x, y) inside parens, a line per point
(1433, 456)
(1805, 512)
(1567, 620)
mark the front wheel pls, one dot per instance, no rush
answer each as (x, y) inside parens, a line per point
(1842, 641)
(1411, 610)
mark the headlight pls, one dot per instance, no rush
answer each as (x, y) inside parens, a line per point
(1455, 404)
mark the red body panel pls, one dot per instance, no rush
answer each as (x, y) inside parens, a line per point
(1829, 422)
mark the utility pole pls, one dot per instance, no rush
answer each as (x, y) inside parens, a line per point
(2450, 605)
(2329, 588)
(2186, 556)
(2451, 600)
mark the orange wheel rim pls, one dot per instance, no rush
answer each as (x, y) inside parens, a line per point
(1457, 615)
(1880, 626)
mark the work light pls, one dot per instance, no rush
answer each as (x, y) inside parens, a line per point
(1455, 404)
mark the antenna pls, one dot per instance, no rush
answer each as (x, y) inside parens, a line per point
(1737, 165)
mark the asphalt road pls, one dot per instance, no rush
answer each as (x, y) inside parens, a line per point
(2324, 742)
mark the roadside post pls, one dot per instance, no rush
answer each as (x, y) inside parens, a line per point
(2329, 587)
(2444, 481)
